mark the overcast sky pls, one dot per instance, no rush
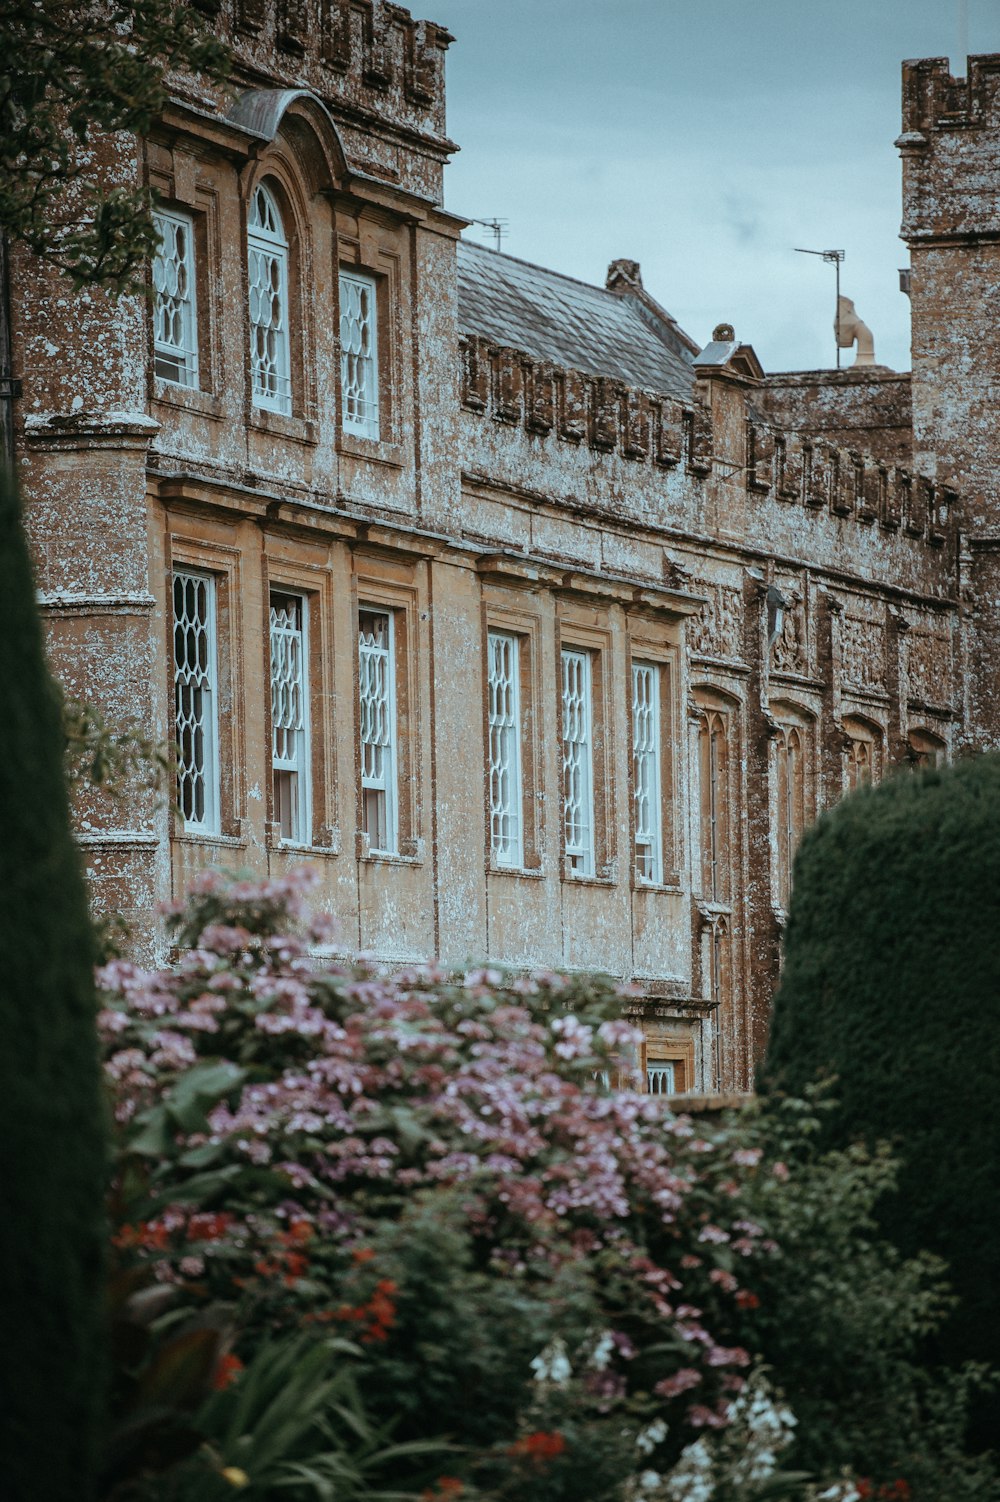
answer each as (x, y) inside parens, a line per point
(705, 139)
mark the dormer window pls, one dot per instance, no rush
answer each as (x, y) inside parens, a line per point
(267, 257)
(175, 313)
(359, 354)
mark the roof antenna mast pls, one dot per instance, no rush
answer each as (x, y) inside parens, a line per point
(498, 226)
(832, 258)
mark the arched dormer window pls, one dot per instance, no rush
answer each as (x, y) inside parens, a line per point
(267, 258)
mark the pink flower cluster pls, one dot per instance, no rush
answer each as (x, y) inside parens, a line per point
(347, 1080)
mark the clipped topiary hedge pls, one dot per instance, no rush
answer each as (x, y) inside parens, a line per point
(892, 983)
(51, 1105)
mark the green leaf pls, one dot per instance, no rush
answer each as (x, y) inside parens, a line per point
(198, 1090)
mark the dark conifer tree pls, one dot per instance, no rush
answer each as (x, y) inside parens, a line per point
(52, 1139)
(892, 984)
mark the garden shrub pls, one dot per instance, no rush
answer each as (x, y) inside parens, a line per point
(568, 1292)
(51, 1113)
(891, 983)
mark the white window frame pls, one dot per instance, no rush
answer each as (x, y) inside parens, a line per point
(580, 852)
(359, 389)
(209, 771)
(271, 389)
(297, 765)
(661, 1076)
(180, 355)
(504, 784)
(386, 783)
(648, 791)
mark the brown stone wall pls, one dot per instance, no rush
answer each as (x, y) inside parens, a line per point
(867, 410)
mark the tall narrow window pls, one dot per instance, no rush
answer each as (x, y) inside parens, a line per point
(714, 807)
(175, 312)
(359, 353)
(195, 701)
(377, 713)
(578, 761)
(503, 674)
(791, 804)
(267, 256)
(290, 717)
(646, 771)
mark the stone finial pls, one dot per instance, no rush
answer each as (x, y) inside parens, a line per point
(724, 333)
(849, 328)
(623, 276)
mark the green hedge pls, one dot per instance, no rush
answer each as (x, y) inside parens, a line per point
(892, 983)
(51, 1118)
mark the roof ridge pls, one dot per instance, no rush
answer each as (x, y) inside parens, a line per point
(537, 266)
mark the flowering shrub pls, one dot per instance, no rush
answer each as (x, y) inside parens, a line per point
(426, 1164)
(533, 1287)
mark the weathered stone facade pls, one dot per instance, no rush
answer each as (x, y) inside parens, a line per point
(630, 521)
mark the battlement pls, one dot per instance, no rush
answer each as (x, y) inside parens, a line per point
(934, 100)
(647, 428)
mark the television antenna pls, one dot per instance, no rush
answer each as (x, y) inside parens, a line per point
(832, 258)
(498, 227)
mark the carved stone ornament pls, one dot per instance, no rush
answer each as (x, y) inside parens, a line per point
(862, 652)
(789, 654)
(928, 666)
(718, 630)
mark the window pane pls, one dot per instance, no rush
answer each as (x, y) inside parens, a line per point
(578, 821)
(646, 770)
(267, 264)
(359, 354)
(289, 717)
(504, 748)
(661, 1077)
(194, 697)
(175, 323)
(376, 713)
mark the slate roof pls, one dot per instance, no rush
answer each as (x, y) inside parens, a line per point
(555, 317)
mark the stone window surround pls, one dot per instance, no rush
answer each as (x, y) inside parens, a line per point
(372, 256)
(651, 646)
(384, 587)
(576, 632)
(506, 614)
(224, 565)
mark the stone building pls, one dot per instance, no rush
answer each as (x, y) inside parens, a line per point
(539, 630)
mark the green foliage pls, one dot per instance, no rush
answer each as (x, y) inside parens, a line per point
(77, 67)
(891, 983)
(843, 1318)
(51, 1114)
(106, 758)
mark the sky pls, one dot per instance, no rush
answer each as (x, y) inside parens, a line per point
(705, 139)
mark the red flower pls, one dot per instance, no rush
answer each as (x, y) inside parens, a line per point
(444, 1489)
(747, 1300)
(205, 1227)
(226, 1369)
(539, 1447)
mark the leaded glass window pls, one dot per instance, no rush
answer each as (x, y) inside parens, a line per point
(377, 714)
(505, 748)
(646, 771)
(359, 353)
(175, 313)
(290, 717)
(661, 1077)
(267, 257)
(578, 762)
(195, 700)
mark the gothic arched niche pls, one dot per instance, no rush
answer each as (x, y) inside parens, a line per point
(926, 748)
(718, 765)
(792, 763)
(864, 757)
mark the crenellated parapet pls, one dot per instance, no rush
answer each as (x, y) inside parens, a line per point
(820, 477)
(659, 432)
(934, 100)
